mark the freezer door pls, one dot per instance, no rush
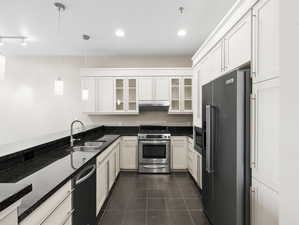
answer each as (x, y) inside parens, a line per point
(208, 179)
(229, 152)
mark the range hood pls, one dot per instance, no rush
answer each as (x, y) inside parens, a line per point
(153, 105)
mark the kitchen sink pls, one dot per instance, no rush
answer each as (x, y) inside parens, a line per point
(89, 146)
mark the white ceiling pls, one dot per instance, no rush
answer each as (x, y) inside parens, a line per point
(150, 25)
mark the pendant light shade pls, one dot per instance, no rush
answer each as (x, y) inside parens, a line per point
(85, 94)
(58, 87)
(2, 67)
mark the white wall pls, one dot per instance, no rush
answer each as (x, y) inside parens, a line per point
(289, 115)
(30, 109)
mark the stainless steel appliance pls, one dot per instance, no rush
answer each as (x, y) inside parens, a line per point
(226, 155)
(84, 196)
(153, 149)
(198, 139)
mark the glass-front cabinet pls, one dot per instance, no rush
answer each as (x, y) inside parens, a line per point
(126, 95)
(187, 103)
(132, 95)
(181, 95)
(120, 95)
(175, 95)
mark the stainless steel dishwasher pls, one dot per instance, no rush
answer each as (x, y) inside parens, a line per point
(84, 196)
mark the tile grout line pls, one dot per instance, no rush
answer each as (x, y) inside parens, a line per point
(188, 211)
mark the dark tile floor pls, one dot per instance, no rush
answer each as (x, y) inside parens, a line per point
(139, 199)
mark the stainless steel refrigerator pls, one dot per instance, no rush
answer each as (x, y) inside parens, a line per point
(226, 154)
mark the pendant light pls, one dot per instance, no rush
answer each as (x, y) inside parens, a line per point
(58, 83)
(2, 67)
(181, 32)
(58, 87)
(85, 90)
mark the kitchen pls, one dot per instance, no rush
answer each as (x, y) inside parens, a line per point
(176, 122)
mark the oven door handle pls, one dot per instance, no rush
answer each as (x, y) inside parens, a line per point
(154, 142)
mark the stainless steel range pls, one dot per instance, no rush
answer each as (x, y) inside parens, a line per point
(153, 149)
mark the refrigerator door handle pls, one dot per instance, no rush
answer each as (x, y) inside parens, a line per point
(210, 138)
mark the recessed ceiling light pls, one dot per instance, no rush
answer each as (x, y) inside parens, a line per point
(182, 33)
(24, 43)
(120, 33)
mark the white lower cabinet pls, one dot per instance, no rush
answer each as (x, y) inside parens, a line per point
(179, 153)
(264, 205)
(55, 210)
(107, 171)
(9, 216)
(199, 170)
(128, 153)
(111, 162)
(102, 183)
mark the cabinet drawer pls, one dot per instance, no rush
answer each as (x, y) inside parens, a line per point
(41, 214)
(61, 214)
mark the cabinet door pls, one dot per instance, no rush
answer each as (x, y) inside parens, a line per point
(161, 90)
(265, 40)
(117, 167)
(132, 102)
(212, 65)
(145, 88)
(187, 94)
(105, 95)
(196, 97)
(128, 153)
(10, 219)
(111, 161)
(102, 183)
(179, 152)
(238, 44)
(119, 95)
(264, 205)
(265, 132)
(88, 94)
(175, 95)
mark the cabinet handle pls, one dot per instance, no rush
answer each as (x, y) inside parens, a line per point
(253, 131)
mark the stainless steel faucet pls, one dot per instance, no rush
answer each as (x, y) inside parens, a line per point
(72, 130)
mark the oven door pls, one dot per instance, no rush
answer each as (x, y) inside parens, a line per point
(154, 152)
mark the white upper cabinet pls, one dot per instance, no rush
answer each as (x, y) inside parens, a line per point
(265, 40)
(125, 95)
(161, 92)
(265, 132)
(212, 65)
(238, 44)
(153, 89)
(104, 95)
(180, 95)
(146, 88)
(88, 94)
(132, 103)
(187, 94)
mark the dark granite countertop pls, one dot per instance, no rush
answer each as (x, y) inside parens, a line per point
(51, 165)
(47, 180)
(10, 193)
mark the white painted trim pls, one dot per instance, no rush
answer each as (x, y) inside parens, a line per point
(135, 72)
(233, 16)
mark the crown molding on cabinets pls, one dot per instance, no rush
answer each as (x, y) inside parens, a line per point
(135, 72)
(235, 14)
